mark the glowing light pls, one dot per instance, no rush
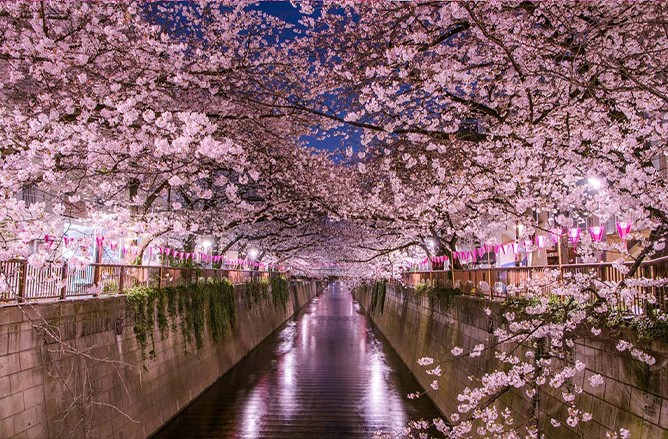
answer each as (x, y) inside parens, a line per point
(595, 183)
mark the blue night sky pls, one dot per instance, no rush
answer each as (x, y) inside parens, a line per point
(285, 11)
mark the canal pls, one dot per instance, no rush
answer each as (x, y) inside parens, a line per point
(326, 373)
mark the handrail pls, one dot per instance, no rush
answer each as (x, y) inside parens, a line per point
(20, 281)
(494, 282)
(656, 261)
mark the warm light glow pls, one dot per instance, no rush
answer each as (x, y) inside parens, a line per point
(595, 183)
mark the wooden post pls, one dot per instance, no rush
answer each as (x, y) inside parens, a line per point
(489, 279)
(97, 268)
(561, 270)
(160, 274)
(63, 276)
(23, 273)
(121, 280)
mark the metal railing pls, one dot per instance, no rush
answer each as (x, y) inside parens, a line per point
(495, 282)
(21, 281)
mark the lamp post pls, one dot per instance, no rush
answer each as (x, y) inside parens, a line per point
(207, 247)
(519, 231)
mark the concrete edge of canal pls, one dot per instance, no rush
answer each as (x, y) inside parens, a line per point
(76, 368)
(634, 397)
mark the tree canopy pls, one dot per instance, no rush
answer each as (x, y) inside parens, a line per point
(454, 120)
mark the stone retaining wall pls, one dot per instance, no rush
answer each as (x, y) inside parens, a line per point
(635, 396)
(46, 389)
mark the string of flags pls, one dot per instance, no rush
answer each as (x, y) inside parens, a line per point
(539, 242)
(154, 252)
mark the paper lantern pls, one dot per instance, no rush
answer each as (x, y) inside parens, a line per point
(541, 241)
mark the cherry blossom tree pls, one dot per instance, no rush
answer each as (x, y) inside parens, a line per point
(169, 121)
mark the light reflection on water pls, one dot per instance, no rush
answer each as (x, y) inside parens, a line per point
(327, 373)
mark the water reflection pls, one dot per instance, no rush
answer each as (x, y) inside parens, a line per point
(328, 373)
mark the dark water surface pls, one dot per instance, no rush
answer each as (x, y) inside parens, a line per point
(327, 373)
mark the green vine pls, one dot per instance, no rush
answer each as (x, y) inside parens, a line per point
(280, 291)
(222, 313)
(197, 306)
(378, 297)
(441, 292)
(137, 298)
(256, 290)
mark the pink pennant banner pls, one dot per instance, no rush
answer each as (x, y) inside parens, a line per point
(49, 240)
(596, 233)
(574, 235)
(556, 234)
(623, 229)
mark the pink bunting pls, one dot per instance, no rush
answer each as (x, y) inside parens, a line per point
(574, 235)
(596, 233)
(556, 234)
(49, 240)
(623, 229)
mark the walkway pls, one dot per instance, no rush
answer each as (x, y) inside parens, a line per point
(327, 373)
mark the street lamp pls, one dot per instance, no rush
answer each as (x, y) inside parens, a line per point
(595, 183)
(206, 245)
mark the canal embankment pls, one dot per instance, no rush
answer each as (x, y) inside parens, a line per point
(327, 373)
(123, 366)
(634, 396)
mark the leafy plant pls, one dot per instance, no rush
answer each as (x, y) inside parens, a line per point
(196, 306)
(378, 297)
(255, 290)
(439, 291)
(280, 291)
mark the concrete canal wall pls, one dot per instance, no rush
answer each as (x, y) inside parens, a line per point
(85, 374)
(634, 396)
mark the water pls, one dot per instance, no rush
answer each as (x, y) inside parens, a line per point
(326, 373)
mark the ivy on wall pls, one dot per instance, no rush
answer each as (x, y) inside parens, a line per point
(443, 292)
(378, 297)
(197, 307)
(256, 290)
(280, 291)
